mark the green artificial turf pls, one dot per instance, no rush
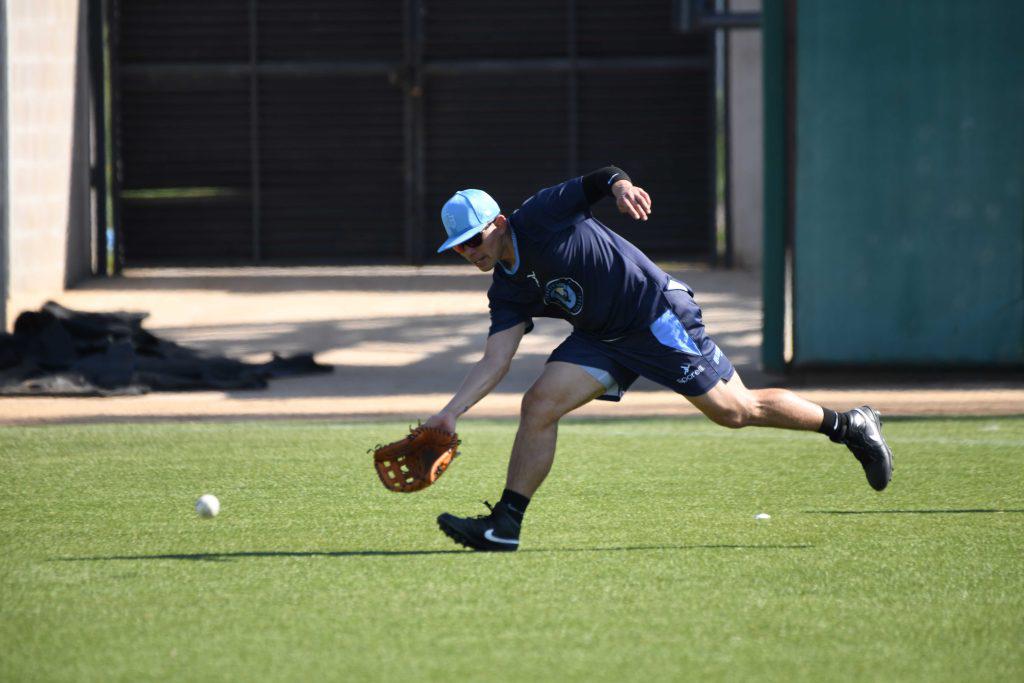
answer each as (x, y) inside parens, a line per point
(641, 558)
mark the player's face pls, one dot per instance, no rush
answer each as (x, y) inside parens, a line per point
(485, 252)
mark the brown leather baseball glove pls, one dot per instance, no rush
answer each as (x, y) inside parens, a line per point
(415, 462)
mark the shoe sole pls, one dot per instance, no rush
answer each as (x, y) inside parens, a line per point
(460, 538)
(888, 452)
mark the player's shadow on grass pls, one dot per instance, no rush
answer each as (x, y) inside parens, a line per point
(228, 557)
(910, 512)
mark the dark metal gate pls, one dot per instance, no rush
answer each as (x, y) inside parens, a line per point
(319, 130)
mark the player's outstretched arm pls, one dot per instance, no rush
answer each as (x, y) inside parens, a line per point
(482, 378)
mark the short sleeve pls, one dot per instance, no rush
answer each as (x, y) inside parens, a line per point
(503, 318)
(509, 306)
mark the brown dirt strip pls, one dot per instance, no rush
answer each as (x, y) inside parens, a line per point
(217, 406)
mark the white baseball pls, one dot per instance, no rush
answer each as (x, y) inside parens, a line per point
(762, 515)
(207, 505)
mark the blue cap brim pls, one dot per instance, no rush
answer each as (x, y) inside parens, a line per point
(459, 239)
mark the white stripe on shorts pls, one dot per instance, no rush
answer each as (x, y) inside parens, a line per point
(605, 379)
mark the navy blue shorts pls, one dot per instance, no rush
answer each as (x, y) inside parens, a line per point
(674, 351)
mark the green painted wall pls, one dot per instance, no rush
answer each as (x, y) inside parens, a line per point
(909, 235)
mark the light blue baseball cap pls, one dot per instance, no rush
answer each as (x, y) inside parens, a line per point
(465, 214)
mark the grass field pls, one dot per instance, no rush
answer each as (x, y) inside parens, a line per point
(641, 557)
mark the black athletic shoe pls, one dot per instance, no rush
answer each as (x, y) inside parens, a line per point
(865, 441)
(496, 531)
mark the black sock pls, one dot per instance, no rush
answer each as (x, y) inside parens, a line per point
(834, 425)
(515, 503)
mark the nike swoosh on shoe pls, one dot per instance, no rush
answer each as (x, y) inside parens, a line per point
(489, 535)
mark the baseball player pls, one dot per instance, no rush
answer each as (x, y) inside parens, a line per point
(552, 258)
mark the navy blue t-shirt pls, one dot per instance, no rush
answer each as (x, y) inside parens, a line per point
(571, 266)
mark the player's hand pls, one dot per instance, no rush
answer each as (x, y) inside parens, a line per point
(444, 421)
(632, 201)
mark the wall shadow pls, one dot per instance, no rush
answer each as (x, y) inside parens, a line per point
(384, 353)
(395, 355)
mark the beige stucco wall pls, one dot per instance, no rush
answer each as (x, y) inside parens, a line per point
(746, 130)
(48, 152)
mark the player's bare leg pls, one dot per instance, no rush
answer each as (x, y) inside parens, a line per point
(561, 388)
(732, 404)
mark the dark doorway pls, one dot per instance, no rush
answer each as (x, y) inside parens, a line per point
(262, 131)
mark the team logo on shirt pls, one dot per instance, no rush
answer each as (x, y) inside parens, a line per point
(533, 276)
(566, 293)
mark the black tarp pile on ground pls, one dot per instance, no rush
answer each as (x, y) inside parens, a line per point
(56, 351)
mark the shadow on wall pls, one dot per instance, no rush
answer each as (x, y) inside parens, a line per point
(386, 329)
(430, 354)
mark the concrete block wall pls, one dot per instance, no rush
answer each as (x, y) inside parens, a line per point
(49, 217)
(746, 131)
